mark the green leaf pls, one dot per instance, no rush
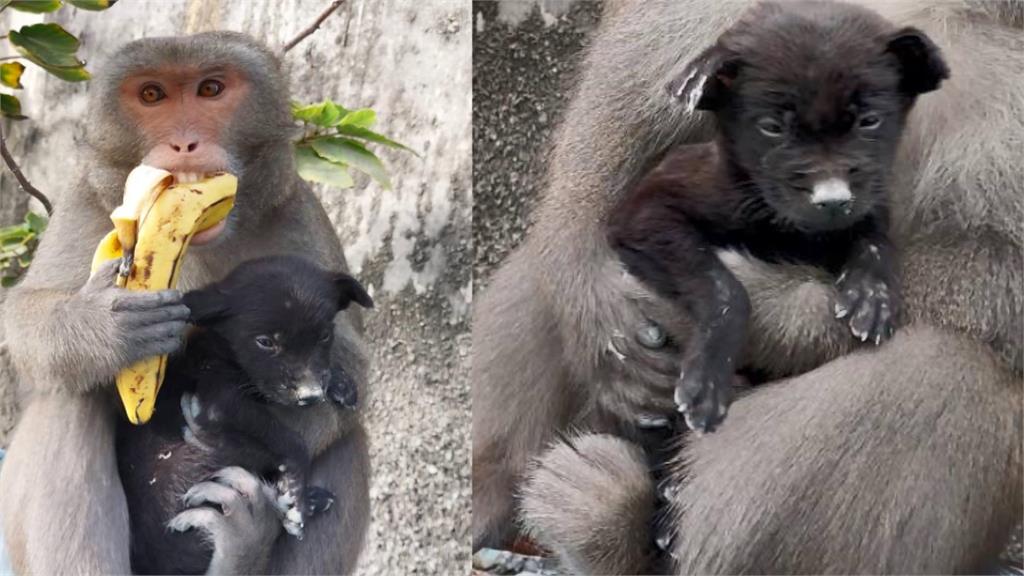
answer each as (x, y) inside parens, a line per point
(354, 154)
(316, 169)
(10, 74)
(8, 281)
(51, 47)
(35, 6)
(10, 107)
(324, 114)
(94, 5)
(363, 118)
(35, 222)
(371, 136)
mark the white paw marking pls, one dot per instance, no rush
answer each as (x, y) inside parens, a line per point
(841, 311)
(152, 481)
(164, 456)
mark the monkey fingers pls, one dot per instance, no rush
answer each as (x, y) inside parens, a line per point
(132, 301)
(211, 492)
(290, 501)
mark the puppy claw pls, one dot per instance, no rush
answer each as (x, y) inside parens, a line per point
(841, 311)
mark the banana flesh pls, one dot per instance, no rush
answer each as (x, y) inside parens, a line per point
(152, 231)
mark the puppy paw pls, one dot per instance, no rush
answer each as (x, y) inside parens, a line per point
(317, 500)
(342, 389)
(703, 393)
(868, 303)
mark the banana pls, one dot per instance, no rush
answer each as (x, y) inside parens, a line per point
(152, 230)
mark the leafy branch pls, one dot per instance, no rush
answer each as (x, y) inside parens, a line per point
(335, 140)
(17, 245)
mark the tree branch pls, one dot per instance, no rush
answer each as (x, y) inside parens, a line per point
(25, 184)
(316, 25)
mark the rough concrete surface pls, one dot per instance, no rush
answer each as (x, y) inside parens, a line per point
(524, 61)
(411, 245)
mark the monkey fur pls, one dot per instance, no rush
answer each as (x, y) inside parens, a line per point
(62, 507)
(810, 105)
(264, 337)
(902, 458)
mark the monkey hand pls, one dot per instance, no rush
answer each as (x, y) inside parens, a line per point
(870, 302)
(124, 326)
(236, 514)
(704, 391)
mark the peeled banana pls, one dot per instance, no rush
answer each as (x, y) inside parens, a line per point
(152, 230)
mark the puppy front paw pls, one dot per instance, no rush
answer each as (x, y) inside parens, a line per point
(342, 390)
(703, 393)
(869, 303)
(317, 500)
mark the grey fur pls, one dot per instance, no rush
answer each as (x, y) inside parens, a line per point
(65, 436)
(541, 330)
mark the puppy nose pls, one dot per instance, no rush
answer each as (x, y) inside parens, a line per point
(832, 194)
(309, 394)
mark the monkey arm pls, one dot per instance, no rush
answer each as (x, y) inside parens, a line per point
(53, 344)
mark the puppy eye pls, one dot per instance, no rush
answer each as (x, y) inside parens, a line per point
(869, 121)
(265, 343)
(152, 93)
(770, 127)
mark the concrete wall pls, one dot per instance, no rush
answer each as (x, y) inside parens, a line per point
(410, 61)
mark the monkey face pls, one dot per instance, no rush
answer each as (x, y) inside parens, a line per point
(811, 104)
(276, 316)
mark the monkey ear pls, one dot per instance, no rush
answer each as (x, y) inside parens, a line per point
(351, 290)
(704, 83)
(207, 306)
(920, 61)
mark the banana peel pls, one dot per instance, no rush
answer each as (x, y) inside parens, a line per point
(152, 230)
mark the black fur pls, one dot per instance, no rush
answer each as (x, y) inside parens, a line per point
(293, 303)
(800, 96)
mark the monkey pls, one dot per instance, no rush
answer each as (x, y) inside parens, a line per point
(191, 105)
(263, 337)
(804, 478)
(808, 115)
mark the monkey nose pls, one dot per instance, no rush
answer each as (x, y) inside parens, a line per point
(184, 147)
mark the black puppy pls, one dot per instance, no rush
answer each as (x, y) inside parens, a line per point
(810, 100)
(263, 337)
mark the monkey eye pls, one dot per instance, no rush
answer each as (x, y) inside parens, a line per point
(770, 127)
(266, 343)
(326, 335)
(869, 121)
(152, 93)
(210, 88)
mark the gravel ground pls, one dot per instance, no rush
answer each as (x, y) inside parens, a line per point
(523, 73)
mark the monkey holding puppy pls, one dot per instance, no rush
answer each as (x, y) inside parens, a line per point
(943, 397)
(190, 105)
(263, 338)
(810, 109)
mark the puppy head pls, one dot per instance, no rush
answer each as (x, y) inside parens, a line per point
(811, 98)
(277, 316)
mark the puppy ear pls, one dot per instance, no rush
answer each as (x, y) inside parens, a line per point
(351, 290)
(207, 305)
(920, 61)
(704, 83)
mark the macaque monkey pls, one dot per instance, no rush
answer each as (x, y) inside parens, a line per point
(192, 106)
(901, 458)
(263, 338)
(809, 116)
